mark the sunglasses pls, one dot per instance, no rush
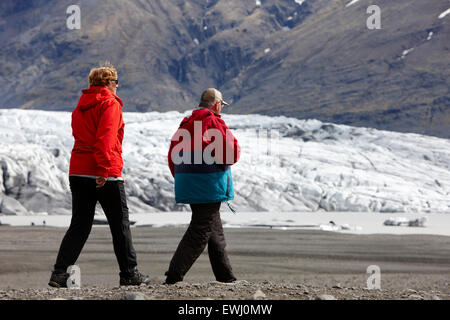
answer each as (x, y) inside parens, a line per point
(115, 80)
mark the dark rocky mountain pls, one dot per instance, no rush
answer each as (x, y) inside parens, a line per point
(317, 59)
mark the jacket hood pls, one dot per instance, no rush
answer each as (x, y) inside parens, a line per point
(94, 96)
(198, 114)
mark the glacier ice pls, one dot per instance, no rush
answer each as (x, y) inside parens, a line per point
(286, 165)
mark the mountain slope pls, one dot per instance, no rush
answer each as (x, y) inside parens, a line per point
(314, 60)
(345, 73)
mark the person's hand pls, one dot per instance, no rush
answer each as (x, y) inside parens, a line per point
(100, 182)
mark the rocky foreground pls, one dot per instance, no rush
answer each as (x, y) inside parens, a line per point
(241, 290)
(270, 265)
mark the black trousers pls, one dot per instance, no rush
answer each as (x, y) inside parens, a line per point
(205, 229)
(113, 201)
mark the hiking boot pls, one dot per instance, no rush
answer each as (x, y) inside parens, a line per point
(135, 279)
(58, 279)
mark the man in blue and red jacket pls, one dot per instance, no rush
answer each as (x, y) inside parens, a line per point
(200, 155)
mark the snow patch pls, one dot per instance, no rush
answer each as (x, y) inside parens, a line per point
(444, 14)
(406, 52)
(351, 3)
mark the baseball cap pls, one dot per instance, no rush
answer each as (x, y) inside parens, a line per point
(211, 95)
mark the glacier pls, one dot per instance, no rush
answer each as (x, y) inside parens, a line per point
(287, 165)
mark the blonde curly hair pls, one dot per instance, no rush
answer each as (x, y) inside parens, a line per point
(102, 75)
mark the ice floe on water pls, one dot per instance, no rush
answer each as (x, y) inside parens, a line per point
(287, 165)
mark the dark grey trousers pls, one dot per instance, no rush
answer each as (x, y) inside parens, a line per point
(205, 229)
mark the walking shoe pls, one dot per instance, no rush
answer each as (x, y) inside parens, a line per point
(135, 279)
(171, 280)
(231, 280)
(58, 279)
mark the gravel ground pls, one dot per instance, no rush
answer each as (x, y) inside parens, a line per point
(271, 265)
(242, 290)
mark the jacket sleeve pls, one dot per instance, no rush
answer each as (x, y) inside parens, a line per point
(106, 137)
(169, 159)
(231, 145)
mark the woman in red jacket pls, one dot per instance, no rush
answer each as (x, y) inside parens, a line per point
(95, 175)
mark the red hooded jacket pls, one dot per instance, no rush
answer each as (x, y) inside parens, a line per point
(209, 120)
(98, 127)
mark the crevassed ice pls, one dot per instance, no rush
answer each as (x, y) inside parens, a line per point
(286, 165)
